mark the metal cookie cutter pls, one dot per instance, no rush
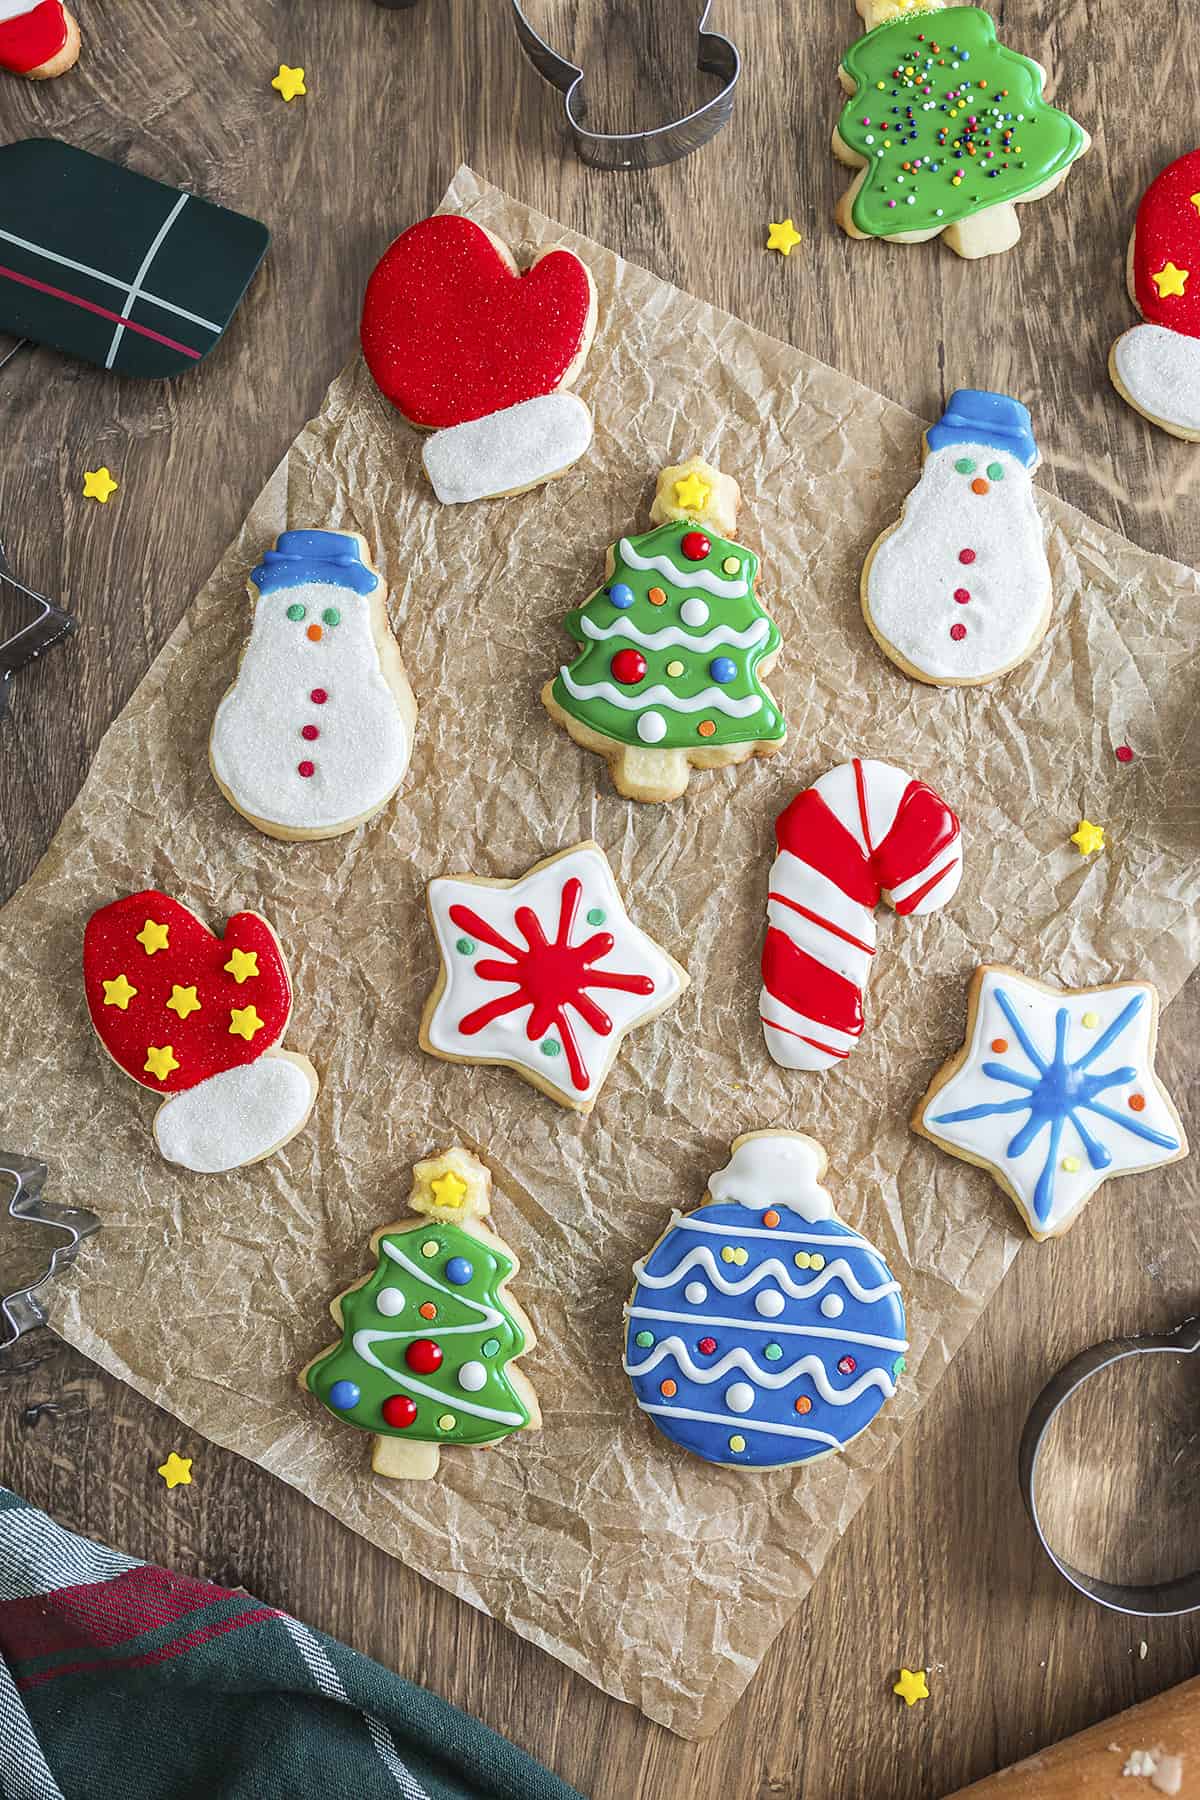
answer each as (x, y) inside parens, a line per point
(23, 1311)
(48, 626)
(637, 149)
(1162, 1599)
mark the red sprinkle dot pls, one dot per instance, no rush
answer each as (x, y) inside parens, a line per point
(695, 546)
(958, 633)
(1124, 753)
(306, 769)
(706, 1346)
(628, 666)
(962, 595)
(847, 1366)
(318, 696)
(309, 733)
(424, 1356)
(398, 1411)
(966, 556)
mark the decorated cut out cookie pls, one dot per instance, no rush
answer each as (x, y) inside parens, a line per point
(429, 1339)
(1053, 1091)
(958, 591)
(1156, 365)
(316, 732)
(467, 346)
(38, 38)
(947, 128)
(862, 832)
(674, 647)
(763, 1331)
(543, 975)
(199, 1018)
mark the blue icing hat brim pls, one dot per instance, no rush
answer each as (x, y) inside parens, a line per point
(300, 557)
(975, 416)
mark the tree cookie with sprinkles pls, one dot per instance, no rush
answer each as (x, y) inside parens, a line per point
(762, 1331)
(543, 975)
(1053, 1092)
(673, 648)
(1156, 365)
(947, 128)
(958, 591)
(429, 1340)
(199, 1019)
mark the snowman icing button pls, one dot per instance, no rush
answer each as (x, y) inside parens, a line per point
(315, 734)
(762, 1331)
(958, 591)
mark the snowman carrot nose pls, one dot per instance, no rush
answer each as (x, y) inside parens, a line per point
(979, 485)
(315, 633)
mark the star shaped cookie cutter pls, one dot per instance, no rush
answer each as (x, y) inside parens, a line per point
(23, 1311)
(48, 626)
(716, 55)
(1163, 1599)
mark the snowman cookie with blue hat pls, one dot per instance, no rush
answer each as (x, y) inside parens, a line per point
(958, 591)
(315, 735)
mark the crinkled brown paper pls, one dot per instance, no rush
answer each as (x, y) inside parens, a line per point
(208, 1293)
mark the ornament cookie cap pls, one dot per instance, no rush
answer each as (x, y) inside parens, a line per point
(695, 490)
(453, 1185)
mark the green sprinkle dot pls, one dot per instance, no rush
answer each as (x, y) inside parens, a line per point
(295, 612)
(331, 616)
(550, 1047)
(899, 1366)
(465, 946)
(492, 1347)
(596, 916)
(965, 466)
(996, 471)
(644, 1339)
(772, 1352)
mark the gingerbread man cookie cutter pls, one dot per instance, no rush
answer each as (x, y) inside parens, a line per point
(48, 626)
(716, 55)
(23, 1310)
(1164, 1599)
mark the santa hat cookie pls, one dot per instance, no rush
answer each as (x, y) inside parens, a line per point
(38, 38)
(468, 347)
(1156, 365)
(958, 591)
(199, 1018)
(315, 735)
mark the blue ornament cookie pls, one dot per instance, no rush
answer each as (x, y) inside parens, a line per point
(762, 1331)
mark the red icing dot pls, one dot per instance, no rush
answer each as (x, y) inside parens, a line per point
(966, 556)
(306, 769)
(318, 696)
(695, 546)
(424, 1356)
(706, 1346)
(962, 595)
(628, 666)
(847, 1366)
(1124, 753)
(398, 1411)
(958, 633)
(309, 733)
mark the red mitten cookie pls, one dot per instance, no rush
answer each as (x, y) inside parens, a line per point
(1156, 366)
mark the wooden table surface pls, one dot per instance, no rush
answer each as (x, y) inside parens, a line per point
(940, 1569)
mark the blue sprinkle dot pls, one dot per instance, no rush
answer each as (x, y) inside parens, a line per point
(621, 596)
(722, 669)
(344, 1395)
(459, 1271)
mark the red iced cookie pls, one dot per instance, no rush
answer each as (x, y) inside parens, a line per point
(1165, 261)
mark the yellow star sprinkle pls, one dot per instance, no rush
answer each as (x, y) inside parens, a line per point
(118, 993)
(153, 936)
(1195, 200)
(244, 1022)
(448, 1189)
(183, 1001)
(242, 965)
(289, 82)
(691, 493)
(159, 1063)
(782, 237)
(98, 484)
(1170, 280)
(912, 1687)
(1089, 837)
(176, 1471)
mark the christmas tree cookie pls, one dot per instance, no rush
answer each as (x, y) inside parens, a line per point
(199, 1018)
(315, 734)
(1156, 365)
(674, 647)
(429, 1339)
(947, 128)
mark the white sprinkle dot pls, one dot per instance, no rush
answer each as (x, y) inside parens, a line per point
(696, 1292)
(652, 728)
(694, 612)
(833, 1306)
(769, 1303)
(390, 1301)
(740, 1397)
(472, 1376)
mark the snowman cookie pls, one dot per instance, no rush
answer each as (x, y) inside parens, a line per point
(1156, 365)
(38, 38)
(958, 591)
(762, 1331)
(315, 735)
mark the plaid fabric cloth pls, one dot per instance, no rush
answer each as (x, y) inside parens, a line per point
(122, 1681)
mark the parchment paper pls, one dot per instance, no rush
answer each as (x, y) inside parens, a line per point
(656, 1576)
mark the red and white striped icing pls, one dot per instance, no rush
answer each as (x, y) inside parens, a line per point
(862, 831)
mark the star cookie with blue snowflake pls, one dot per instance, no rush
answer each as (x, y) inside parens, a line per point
(1053, 1092)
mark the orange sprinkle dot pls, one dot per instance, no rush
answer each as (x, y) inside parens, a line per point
(705, 728)
(999, 1045)
(314, 633)
(656, 597)
(428, 1311)
(668, 1389)
(771, 1218)
(1137, 1102)
(979, 485)
(803, 1404)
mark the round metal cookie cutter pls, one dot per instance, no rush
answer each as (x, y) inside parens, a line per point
(1163, 1599)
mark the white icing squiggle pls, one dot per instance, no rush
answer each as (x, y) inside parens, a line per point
(672, 635)
(812, 1366)
(685, 578)
(740, 1423)
(702, 1257)
(711, 699)
(772, 1326)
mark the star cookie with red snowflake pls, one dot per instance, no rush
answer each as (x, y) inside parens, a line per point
(543, 975)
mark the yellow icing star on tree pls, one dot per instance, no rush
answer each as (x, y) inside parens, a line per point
(183, 1001)
(448, 1189)
(160, 1062)
(118, 993)
(244, 1022)
(782, 236)
(153, 936)
(242, 965)
(912, 1686)
(98, 484)
(1088, 837)
(1170, 280)
(176, 1471)
(691, 493)
(289, 82)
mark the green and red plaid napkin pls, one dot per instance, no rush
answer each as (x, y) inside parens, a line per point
(122, 1681)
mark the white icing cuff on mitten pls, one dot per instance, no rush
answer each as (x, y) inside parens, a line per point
(1160, 371)
(504, 452)
(237, 1116)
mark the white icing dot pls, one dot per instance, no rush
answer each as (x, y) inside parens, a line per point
(740, 1397)
(472, 1376)
(390, 1301)
(769, 1303)
(833, 1306)
(696, 1292)
(652, 727)
(694, 612)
